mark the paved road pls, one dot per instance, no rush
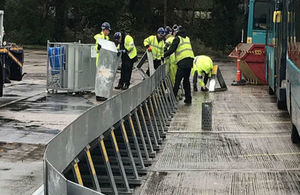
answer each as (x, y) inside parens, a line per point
(248, 151)
(29, 119)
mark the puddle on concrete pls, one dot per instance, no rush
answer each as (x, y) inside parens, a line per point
(10, 124)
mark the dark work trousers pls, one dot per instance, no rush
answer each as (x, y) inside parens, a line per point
(156, 64)
(195, 78)
(183, 73)
(126, 70)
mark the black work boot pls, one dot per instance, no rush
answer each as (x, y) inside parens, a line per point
(6, 80)
(195, 88)
(188, 101)
(204, 89)
(99, 98)
(126, 86)
(119, 86)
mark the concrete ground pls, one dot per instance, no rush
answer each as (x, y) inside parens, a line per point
(29, 118)
(248, 150)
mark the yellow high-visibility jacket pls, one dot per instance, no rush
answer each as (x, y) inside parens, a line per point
(171, 62)
(184, 49)
(157, 47)
(101, 36)
(129, 46)
(203, 65)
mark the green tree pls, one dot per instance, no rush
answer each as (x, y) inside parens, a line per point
(227, 22)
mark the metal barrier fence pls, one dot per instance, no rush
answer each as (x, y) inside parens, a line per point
(107, 149)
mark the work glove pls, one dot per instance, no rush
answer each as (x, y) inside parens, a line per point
(123, 51)
(98, 46)
(149, 49)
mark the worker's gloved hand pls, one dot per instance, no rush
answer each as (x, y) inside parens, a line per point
(123, 51)
(149, 49)
(98, 46)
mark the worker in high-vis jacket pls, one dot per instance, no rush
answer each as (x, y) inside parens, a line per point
(156, 44)
(102, 35)
(202, 68)
(171, 66)
(128, 51)
(184, 56)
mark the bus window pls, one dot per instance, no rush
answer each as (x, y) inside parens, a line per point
(261, 15)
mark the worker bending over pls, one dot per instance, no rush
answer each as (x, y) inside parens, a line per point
(128, 50)
(156, 44)
(184, 57)
(202, 68)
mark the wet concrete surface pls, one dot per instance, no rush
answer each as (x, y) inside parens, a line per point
(29, 118)
(248, 150)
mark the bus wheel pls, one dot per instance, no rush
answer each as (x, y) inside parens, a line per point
(281, 105)
(295, 135)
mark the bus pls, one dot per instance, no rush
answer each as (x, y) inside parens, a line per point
(276, 51)
(291, 23)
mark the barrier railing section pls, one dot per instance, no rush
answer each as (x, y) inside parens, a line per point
(107, 148)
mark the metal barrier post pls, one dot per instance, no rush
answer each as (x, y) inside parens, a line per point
(170, 94)
(155, 122)
(159, 111)
(76, 172)
(136, 143)
(151, 150)
(149, 120)
(125, 137)
(107, 165)
(92, 168)
(167, 98)
(164, 102)
(161, 105)
(161, 125)
(119, 160)
(142, 138)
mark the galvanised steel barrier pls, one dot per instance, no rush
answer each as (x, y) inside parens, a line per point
(108, 148)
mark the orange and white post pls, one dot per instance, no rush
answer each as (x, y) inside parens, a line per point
(238, 65)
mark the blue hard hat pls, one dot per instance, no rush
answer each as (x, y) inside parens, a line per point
(161, 31)
(168, 30)
(106, 26)
(117, 35)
